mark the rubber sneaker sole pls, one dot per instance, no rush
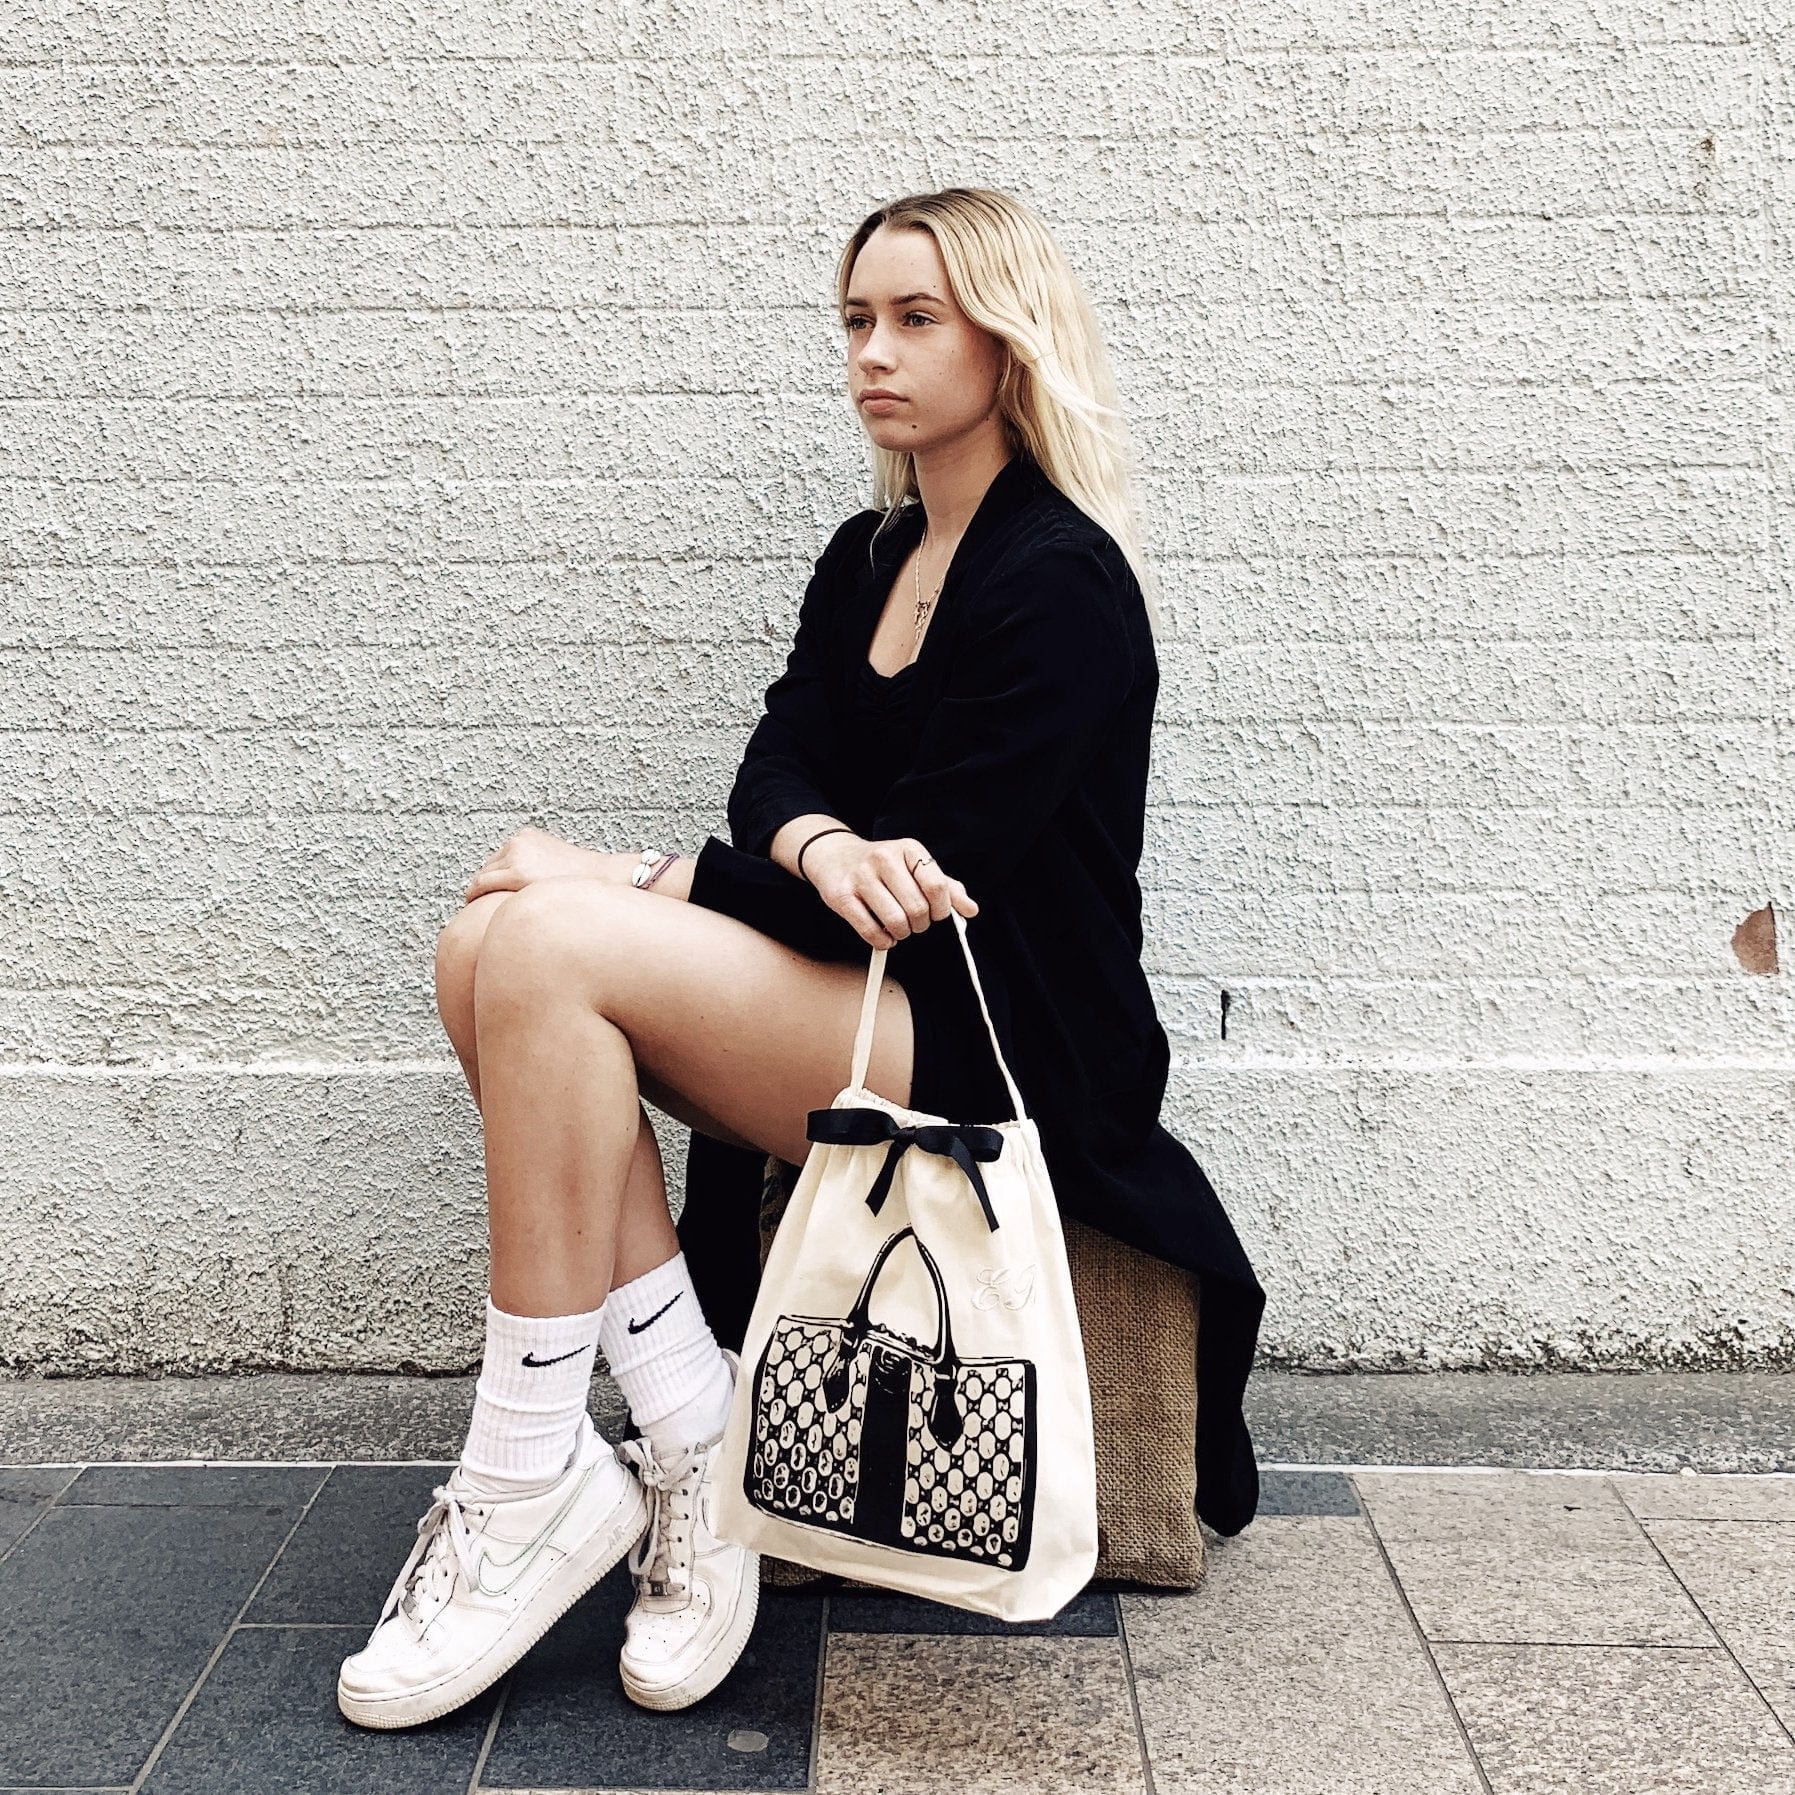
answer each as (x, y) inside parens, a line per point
(578, 1572)
(711, 1672)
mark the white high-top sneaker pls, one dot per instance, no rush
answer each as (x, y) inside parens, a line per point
(489, 1576)
(696, 1595)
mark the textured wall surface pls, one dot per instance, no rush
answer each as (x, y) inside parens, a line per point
(387, 393)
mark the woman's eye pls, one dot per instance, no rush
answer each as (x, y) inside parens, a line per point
(858, 318)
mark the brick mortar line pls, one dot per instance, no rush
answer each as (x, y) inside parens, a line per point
(749, 60)
(1299, 132)
(1157, 220)
(403, 482)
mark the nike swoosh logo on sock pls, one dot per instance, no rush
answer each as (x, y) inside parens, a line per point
(532, 1360)
(636, 1327)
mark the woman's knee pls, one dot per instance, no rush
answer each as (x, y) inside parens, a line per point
(551, 941)
(457, 953)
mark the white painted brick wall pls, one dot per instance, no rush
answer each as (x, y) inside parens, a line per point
(386, 393)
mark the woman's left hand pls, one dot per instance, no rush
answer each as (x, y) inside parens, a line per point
(533, 854)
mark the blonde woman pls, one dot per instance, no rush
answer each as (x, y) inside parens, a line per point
(963, 723)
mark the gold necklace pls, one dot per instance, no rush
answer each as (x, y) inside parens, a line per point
(923, 610)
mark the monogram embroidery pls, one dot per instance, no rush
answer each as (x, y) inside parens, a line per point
(1011, 1285)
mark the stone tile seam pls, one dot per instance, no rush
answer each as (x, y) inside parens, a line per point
(1134, 1701)
(489, 1737)
(180, 1714)
(1442, 1469)
(47, 1503)
(1592, 1645)
(1365, 1517)
(818, 1692)
(1721, 1640)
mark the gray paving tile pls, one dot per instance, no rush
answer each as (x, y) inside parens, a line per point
(1743, 1575)
(1088, 1615)
(111, 1613)
(1697, 1498)
(944, 1716)
(568, 1725)
(1293, 1667)
(25, 1492)
(1616, 1720)
(195, 1486)
(1307, 1493)
(1516, 1556)
(339, 1565)
(265, 1722)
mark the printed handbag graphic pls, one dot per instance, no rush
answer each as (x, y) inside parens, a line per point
(864, 1430)
(918, 1414)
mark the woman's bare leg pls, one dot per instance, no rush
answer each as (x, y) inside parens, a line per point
(584, 996)
(645, 1231)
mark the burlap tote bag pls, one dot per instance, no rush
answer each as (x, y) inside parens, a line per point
(914, 1410)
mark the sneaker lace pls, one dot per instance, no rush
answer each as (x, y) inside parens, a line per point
(664, 1552)
(443, 1551)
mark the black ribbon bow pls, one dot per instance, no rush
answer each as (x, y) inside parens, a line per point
(966, 1143)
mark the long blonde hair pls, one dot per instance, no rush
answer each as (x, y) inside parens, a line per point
(1057, 391)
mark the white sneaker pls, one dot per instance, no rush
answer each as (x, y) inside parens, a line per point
(489, 1576)
(696, 1595)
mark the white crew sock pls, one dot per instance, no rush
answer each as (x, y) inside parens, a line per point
(534, 1382)
(666, 1359)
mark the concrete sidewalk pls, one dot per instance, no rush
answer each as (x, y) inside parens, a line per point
(1619, 1617)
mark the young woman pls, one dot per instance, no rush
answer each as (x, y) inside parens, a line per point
(963, 723)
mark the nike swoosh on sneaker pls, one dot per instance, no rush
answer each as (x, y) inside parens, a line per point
(636, 1327)
(525, 1556)
(531, 1359)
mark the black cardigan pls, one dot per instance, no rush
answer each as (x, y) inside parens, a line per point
(1037, 679)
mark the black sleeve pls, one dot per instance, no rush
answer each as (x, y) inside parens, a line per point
(785, 766)
(1041, 672)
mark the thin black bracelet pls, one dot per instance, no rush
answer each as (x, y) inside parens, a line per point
(839, 829)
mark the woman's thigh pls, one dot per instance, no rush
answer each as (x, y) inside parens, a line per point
(732, 1032)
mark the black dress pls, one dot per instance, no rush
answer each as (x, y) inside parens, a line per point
(1031, 703)
(953, 1070)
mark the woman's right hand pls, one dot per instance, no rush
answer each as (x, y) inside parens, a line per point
(872, 887)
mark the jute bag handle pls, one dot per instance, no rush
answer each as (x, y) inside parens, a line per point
(869, 1009)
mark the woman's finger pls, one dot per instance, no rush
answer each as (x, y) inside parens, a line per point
(865, 924)
(939, 892)
(498, 878)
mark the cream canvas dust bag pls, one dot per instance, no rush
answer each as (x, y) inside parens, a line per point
(914, 1409)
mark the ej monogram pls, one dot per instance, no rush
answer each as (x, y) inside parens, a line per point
(1011, 1285)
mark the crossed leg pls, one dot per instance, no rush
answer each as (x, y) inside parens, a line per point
(569, 1001)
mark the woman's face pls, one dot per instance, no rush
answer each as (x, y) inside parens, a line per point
(906, 334)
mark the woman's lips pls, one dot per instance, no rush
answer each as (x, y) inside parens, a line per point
(880, 403)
